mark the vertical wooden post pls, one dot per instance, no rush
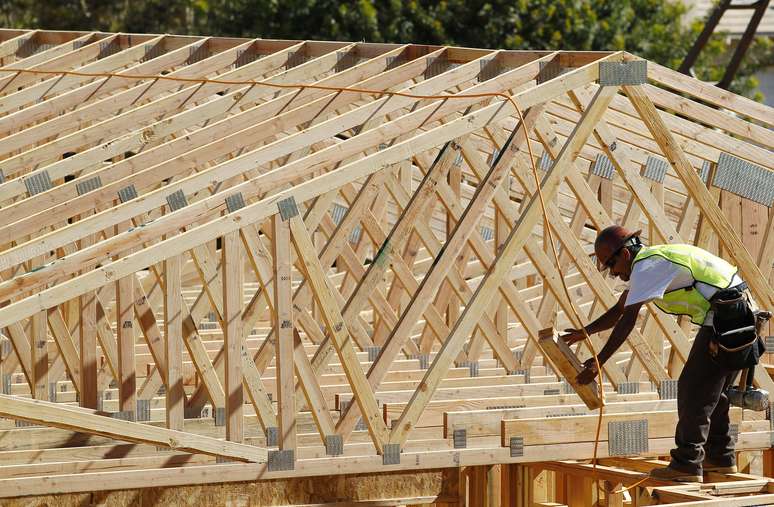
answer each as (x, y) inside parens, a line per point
(768, 463)
(127, 381)
(88, 330)
(283, 326)
(493, 496)
(173, 343)
(501, 231)
(38, 349)
(455, 183)
(232, 315)
(614, 499)
(579, 491)
(540, 484)
(477, 486)
(39, 356)
(560, 487)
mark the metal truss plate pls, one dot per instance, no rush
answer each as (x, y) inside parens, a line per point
(152, 51)
(334, 445)
(24, 424)
(143, 410)
(487, 233)
(101, 401)
(52, 391)
(108, 48)
(490, 68)
(295, 59)
(176, 200)
(563, 414)
(89, 185)
(198, 53)
(281, 460)
(733, 430)
(567, 387)
(504, 407)
(655, 169)
(245, 56)
(124, 415)
(345, 60)
(517, 447)
(769, 344)
(770, 417)
(391, 454)
(458, 159)
(627, 438)
(37, 182)
(435, 65)
(473, 369)
(460, 438)
(5, 348)
(7, 379)
(394, 61)
(373, 352)
(126, 194)
(424, 361)
(603, 167)
(220, 416)
(668, 390)
(544, 164)
(2, 176)
(628, 388)
(361, 425)
(287, 208)
(623, 73)
(550, 392)
(705, 170)
(549, 70)
(235, 202)
(745, 179)
(272, 436)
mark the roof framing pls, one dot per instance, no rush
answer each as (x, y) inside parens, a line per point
(310, 211)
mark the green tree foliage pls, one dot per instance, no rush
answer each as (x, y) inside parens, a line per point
(653, 29)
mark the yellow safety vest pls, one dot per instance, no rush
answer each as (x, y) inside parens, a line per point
(704, 267)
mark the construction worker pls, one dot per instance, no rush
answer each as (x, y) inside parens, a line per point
(683, 280)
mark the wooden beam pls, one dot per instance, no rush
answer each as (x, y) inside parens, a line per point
(565, 362)
(283, 333)
(232, 267)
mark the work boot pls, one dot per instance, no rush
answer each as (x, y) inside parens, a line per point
(712, 466)
(671, 474)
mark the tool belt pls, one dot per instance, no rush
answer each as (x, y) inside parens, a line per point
(736, 343)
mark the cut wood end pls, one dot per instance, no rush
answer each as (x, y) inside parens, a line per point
(547, 333)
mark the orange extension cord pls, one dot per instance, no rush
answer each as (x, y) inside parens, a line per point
(301, 87)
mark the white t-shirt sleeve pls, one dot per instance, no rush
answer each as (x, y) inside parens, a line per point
(650, 278)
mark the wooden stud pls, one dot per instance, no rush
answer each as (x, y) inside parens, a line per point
(232, 266)
(283, 334)
(173, 344)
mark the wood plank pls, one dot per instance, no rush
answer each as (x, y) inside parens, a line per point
(283, 332)
(233, 280)
(173, 344)
(565, 362)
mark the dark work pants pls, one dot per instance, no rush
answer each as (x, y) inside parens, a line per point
(702, 410)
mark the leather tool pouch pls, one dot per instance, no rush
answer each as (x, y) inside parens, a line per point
(735, 344)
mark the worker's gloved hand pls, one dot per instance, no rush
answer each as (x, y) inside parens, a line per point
(589, 372)
(573, 336)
